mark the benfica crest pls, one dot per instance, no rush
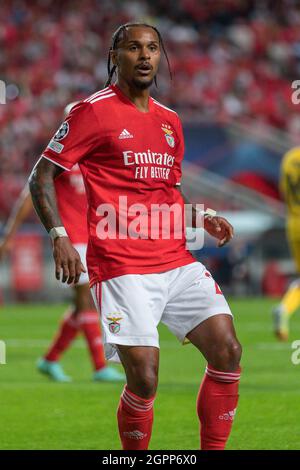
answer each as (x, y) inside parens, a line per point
(168, 135)
(114, 325)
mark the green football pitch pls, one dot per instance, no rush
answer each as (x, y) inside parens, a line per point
(36, 413)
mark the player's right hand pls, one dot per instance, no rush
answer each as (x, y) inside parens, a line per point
(67, 260)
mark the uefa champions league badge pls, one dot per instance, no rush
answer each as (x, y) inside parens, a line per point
(114, 325)
(168, 135)
(62, 132)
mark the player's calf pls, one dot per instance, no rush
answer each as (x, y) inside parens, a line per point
(135, 419)
(218, 394)
(135, 411)
(216, 407)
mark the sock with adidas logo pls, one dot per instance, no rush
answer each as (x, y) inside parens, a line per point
(135, 419)
(216, 406)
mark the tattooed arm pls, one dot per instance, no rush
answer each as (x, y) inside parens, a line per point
(42, 189)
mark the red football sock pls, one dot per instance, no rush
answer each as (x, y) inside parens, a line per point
(89, 324)
(66, 334)
(135, 419)
(216, 406)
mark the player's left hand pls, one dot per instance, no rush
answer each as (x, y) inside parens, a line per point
(219, 228)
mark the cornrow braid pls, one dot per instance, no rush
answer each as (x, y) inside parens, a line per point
(118, 36)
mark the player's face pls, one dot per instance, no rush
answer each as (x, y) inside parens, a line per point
(138, 56)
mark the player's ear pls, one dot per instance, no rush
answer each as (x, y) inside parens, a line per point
(113, 56)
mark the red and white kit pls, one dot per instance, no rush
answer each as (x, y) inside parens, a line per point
(72, 206)
(123, 152)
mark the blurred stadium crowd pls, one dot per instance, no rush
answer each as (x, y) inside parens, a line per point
(231, 60)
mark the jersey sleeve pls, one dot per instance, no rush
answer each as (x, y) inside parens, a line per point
(75, 139)
(179, 153)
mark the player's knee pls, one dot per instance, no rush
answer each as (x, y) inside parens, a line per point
(228, 356)
(145, 381)
(235, 353)
(147, 387)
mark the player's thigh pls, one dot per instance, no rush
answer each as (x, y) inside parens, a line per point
(199, 300)
(217, 340)
(141, 366)
(130, 307)
(139, 356)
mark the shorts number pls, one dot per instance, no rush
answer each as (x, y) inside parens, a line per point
(218, 290)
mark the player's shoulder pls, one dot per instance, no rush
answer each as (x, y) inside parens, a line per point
(164, 110)
(100, 97)
(87, 106)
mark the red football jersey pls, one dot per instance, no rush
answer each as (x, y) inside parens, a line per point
(72, 204)
(131, 163)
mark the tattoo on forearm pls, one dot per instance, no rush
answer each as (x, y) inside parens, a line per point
(41, 184)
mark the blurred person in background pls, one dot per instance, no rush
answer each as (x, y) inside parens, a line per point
(82, 316)
(290, 189)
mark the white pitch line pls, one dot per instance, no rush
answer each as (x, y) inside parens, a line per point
(273, 346)
(254, 327)
(43, 343)
(36, 343)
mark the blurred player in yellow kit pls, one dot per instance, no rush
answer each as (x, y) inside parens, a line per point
(290, 189)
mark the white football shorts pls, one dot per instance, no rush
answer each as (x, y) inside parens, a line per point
(131, 306)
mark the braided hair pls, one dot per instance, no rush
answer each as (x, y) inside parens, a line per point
(118, 36)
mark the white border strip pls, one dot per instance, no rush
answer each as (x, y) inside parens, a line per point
(55, 163)
(102, 98)
(165, 107)
(101, 92)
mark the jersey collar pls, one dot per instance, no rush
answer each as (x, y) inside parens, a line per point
(126, 100)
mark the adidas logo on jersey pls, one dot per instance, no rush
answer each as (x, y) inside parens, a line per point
(125, 134)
